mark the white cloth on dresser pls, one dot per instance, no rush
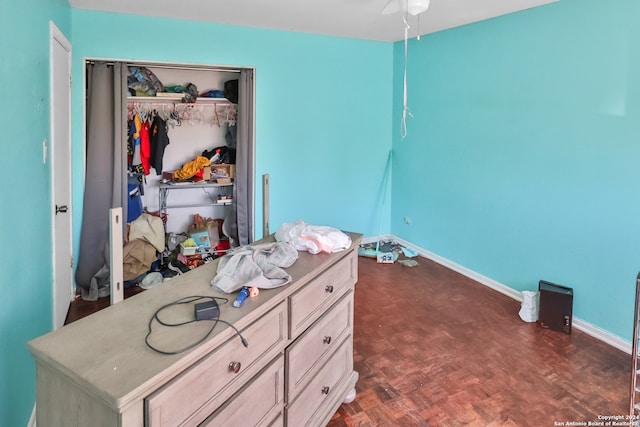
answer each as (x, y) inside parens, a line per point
(260, 266)
(313, 238)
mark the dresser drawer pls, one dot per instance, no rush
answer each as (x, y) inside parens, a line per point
(308, 304)
(307, 354)
(257, 404)
(195, 393)
(319, 393)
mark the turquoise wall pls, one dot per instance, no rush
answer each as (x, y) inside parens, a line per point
(25, 216)
(323, 108)
(319, 121)
(522, 160)
(519, 163)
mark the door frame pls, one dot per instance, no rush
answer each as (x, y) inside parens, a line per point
(57, 38)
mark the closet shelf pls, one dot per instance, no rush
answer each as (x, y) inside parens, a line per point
(189, 185)
(164, 193)
(177, 98)
(193, 205)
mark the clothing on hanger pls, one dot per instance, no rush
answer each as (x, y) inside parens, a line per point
(158, 141)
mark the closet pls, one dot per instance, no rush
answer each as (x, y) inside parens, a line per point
(202, 108)
(192, 128)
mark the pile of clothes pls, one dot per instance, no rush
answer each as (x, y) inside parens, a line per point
(143, 82)
(145, 240)
(262, 266)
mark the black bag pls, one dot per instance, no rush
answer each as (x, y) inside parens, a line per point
(231, 90)
(227, 154)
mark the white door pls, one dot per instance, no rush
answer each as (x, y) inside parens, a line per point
(61, 174)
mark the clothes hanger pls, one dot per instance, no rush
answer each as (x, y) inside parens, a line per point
(175, 117)
(231, 115)
(198, 115)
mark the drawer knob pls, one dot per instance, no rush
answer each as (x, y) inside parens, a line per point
(325, 390)
(329, 288)
(235, 367)
(326, 340)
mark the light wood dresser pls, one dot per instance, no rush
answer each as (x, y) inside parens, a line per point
(296, 371)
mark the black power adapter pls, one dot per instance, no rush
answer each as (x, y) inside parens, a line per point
(206, 310)
(209, 310)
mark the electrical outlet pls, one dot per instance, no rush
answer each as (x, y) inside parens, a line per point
(407, 220)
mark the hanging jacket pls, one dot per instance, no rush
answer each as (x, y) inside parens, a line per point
(145, 148)
(136, 141)
(158, 141)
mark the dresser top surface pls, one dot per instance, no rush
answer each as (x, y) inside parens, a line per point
(106, 353)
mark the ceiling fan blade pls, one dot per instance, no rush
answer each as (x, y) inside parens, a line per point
(414, 7)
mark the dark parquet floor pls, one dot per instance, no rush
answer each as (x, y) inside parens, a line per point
(434, 348)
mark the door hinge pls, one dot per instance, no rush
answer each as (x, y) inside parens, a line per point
(70, 80)
(71, 263)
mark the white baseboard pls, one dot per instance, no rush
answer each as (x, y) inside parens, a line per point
(602, 335)
(484, 280)
(586, 327)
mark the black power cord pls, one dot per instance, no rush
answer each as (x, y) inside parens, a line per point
(189, 300)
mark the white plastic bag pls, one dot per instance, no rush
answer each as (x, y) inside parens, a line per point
(313, 238)
(529, 309)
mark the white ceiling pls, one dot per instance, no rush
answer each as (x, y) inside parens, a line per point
(359, 19)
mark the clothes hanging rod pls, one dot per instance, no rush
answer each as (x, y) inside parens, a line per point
(176, 100)
(181, 104)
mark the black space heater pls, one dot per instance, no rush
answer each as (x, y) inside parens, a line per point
(556, 306)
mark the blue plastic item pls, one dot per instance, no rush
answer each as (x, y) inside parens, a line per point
(409, 253)
(134, 204)
(244, 293)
